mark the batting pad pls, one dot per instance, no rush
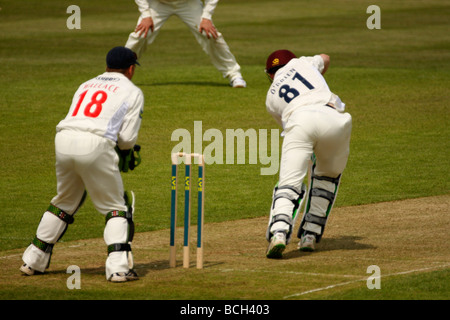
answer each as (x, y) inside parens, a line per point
(116, 231)
(321, 198)
(286, 202)
(49, 231)
(36, 258)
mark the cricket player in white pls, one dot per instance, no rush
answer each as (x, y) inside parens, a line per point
(106, 112)
(198, 17)
(315, 127)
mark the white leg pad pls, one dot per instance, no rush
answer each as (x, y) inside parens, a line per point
(116, 231)
(283, 206)
(36, 258)
(320, 206)
(49, 230)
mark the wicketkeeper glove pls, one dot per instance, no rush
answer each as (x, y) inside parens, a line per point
(129, 159)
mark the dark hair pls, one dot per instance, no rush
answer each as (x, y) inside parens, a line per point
(123, 71)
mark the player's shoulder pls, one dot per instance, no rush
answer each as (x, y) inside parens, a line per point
(121, 80)
(133, 89)
(113, 81)
(315, 60)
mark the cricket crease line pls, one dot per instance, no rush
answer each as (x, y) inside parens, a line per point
(363, 279)
(11, 256)
(293, 272)
(61, 245)
(391, 260)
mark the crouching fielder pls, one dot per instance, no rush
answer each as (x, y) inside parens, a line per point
(93, 144)
(317, 131)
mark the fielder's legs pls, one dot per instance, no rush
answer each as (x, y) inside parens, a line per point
(160, 13)
(217, 49)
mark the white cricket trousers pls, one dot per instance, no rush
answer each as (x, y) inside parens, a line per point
(84, 161)
(190, 12)
(318, 130)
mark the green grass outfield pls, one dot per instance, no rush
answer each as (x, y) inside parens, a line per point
(394, 81)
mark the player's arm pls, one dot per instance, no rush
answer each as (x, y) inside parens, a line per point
(126, 148)
(128, 133)
(144, 8)
(206, 23)
(326, 62)
(146, 23)
(208, 9)
(320, 61)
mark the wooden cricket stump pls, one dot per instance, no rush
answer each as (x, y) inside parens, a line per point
(187, 208)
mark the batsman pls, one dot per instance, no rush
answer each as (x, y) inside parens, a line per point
(316, 131)
(93, 144)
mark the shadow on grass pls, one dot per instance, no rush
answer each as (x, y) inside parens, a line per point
(330, 244)
(144, 268)
(141, 268)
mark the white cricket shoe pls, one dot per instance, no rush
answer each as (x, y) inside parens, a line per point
(238, 82)
(26, 270)
(276, 246)
(124, 277)
(307, 242)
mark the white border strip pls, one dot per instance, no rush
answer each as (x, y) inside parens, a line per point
(291, 272)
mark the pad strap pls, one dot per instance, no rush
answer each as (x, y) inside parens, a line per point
(64, 216)
(44, 246)
(295, 201)
(119, 247)
(329, 179)
(321, 221)
(115, 214)
(317, 192)
(282, 217)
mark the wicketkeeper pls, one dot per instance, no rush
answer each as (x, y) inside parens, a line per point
(316, 129)
(96, 141)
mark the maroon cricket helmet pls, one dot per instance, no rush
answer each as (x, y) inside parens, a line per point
(278, 59)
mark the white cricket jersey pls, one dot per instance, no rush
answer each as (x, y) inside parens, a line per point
(299, 83)
(110, 106)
